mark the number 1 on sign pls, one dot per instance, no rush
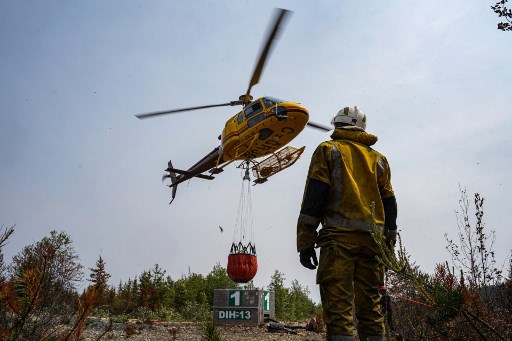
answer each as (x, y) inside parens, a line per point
(236, 297)
(266, 301)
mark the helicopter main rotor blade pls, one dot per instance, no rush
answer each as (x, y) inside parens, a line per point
(166, 112)
(279, 17)
(318, 126)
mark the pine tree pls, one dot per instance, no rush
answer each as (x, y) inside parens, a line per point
(99, 277)
(281, 294)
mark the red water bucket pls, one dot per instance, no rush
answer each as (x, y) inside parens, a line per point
(242, 267)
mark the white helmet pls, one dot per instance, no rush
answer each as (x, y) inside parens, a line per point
(349, 116)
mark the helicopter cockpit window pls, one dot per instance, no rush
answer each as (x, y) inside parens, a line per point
(271, 101)
(253, 109)
(240, 117)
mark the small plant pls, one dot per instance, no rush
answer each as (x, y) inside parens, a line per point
(130, 329)
(174, 332)
(210, 332)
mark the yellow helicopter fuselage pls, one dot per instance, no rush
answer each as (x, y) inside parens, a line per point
(261, 128)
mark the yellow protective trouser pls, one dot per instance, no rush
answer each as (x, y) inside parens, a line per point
(349, 277)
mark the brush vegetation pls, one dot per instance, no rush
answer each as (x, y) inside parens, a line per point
(466, 298)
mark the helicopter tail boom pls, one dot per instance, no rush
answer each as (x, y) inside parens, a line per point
(206, 163)
(184, 172)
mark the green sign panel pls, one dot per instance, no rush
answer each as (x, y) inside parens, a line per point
(266, 300)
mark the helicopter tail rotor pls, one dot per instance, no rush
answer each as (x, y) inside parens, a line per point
(174, 179)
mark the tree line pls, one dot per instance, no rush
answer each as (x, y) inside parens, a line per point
(155, 296)
(466, 298)
(38, 292)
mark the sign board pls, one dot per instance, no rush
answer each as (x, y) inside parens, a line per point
(248, 307)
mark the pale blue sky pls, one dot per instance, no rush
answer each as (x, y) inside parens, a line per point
(433, 78)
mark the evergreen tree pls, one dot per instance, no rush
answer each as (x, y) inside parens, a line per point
(300, 305)
(280, 295)
(218, 279)
(99, 278)
(181, 294)
(134, 291)
(153, 290)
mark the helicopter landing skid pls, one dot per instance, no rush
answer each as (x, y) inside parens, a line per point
(217, 170)
(260, 181)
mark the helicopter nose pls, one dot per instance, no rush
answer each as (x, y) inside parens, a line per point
(280, 112)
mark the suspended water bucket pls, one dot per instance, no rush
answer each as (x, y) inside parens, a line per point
(242, 267)
(242, 262)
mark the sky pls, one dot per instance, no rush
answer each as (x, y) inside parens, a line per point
(433, 78)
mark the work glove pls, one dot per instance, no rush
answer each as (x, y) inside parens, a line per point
(390, 236)
(308, 258)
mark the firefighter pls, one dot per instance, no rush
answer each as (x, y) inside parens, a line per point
(346, 179)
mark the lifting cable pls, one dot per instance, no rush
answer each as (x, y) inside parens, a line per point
(242, 260)
(243, 239)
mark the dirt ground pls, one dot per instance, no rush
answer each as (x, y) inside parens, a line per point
(194, 331)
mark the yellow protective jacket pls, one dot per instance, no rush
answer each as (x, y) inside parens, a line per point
(345, 177)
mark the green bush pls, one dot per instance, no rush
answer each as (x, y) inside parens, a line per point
(196, 312)
(210, 332)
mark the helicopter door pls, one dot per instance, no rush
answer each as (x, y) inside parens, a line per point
(251, 114)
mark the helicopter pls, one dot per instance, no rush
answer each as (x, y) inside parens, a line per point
(264, 126)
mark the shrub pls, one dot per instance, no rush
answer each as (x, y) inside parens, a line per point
(210, 332)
